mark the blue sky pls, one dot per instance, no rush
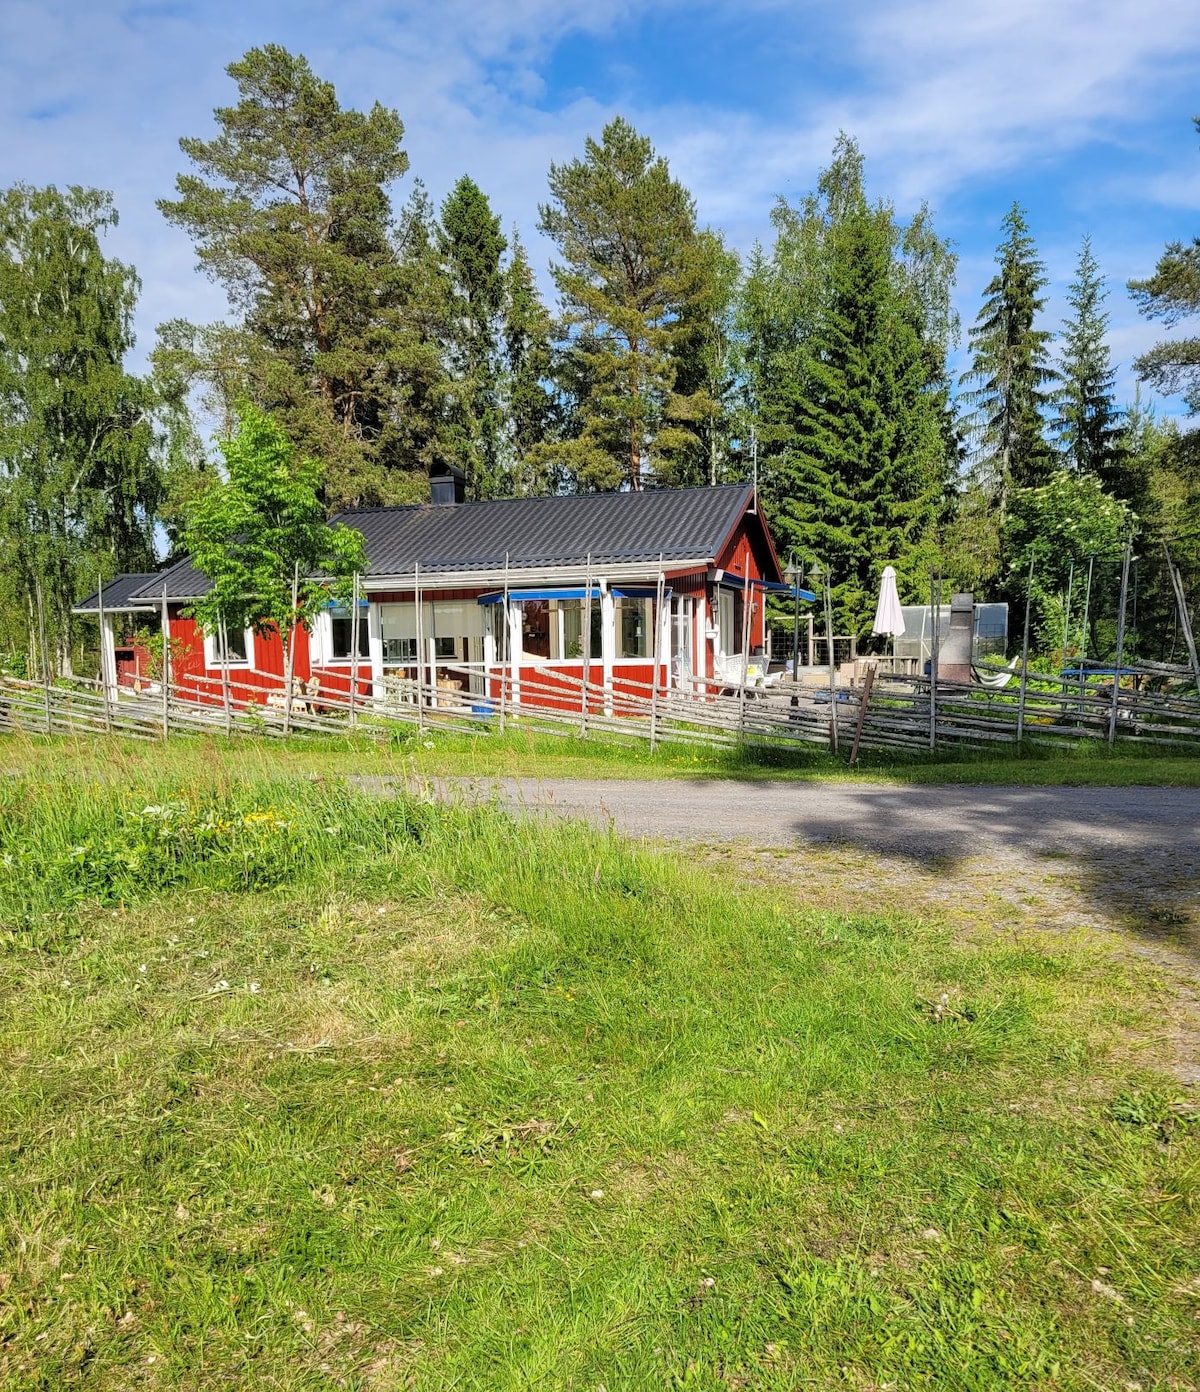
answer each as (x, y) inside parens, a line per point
(1081, 109)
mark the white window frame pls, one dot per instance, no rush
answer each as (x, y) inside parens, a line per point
(212, 658)
(323, 637)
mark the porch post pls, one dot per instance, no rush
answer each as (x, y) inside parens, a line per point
(513, 617)
(608, 642)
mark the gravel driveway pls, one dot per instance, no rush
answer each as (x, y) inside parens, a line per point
(927, 823)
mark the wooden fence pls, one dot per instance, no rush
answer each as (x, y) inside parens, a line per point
(1156, 705)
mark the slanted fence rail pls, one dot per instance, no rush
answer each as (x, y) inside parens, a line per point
(1159, 706)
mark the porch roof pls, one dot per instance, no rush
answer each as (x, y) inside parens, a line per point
(119, 594)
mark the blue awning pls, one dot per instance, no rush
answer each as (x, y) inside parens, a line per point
(738, 582)
(520, 596)
(573, 592)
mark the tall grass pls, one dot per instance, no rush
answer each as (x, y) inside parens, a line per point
(439, 1099)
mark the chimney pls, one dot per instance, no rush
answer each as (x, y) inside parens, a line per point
(447, 484)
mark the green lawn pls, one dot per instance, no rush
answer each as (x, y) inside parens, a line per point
(519, 754)
(305, 1090)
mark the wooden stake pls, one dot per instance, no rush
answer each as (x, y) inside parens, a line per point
(224, 639)
(862, 714)
(745, 650)
(1022, 684)
(104, 659)
(586, 639)
(658, 604)
(1185, 621)
(935, 595)
(41, 610)
(1120, 662)
(166, 664)
(289, 667)
(354, 651)
(833, 723)
(420, 631)
(506, 666)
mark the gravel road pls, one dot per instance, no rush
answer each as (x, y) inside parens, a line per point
(933, 824)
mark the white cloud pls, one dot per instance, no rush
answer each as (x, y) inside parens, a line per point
(945, 98)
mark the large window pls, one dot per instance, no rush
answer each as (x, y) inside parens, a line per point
(552, 629)
(341, 634)
(571, 631)
(635, 629)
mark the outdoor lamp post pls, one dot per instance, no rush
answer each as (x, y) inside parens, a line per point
(793, 575)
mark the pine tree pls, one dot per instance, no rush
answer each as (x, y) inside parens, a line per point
(472, 246)
(1171, 294)
(1010, 365)
(1089, 423)
(80, 473)
(627, 234)
(289, 211)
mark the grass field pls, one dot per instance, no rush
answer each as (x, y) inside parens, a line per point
(302, 1089)
(539, 755)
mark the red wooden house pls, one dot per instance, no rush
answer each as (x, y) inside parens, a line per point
(532, 589)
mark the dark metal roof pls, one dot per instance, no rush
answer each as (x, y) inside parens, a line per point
(677, 524)
(684, 524)
(119, 594)
(180, 581)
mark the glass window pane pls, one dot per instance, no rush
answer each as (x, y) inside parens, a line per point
(535, 627)
(341, 623)
(235, 646)
(633, 628)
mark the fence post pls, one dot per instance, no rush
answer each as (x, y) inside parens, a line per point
(1116, 691)
(224, 636)
(354, 632)
(289, 667)
(41, 608)
(103, 659)
(585, 638)
(1185, 620)
(658, 603)
(935, 606)
(833, 715)
(745, 651)
(1022, 684)
(420, 631)
(506, 666)
(165, 676)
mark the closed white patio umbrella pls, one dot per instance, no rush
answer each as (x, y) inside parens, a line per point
(889, 618)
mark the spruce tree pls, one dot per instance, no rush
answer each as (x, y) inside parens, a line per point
(472, 246)
(626, 232)
(864, 471)
(845, 329)
(529, 404)
(1011, 371)
(1088, 424)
